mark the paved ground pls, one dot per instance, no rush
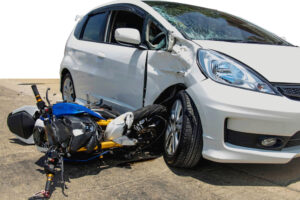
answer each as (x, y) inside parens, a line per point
(21, 175)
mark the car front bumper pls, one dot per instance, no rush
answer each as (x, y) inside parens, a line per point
(223, 107)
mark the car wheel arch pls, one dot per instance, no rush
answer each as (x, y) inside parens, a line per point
(169, 93)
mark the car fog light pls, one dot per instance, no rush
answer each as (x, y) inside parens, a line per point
(268, 142)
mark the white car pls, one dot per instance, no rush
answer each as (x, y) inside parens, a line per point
(232, 88)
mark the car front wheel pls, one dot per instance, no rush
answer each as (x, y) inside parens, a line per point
(183, 137)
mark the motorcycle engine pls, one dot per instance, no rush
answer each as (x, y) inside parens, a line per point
(84, 133)
(69, 133)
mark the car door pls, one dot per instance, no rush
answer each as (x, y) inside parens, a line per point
(163, 67)
(86, 46)
(119, 77)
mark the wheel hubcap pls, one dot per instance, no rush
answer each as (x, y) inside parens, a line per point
(174, 128)
(68, 90)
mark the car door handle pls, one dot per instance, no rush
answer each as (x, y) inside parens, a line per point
(101, 55)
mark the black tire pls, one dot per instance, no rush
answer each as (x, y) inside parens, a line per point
(189, 149)
(67, 77)
(149, 111)
(149, 115)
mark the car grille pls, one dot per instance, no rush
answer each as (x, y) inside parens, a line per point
(290, 91)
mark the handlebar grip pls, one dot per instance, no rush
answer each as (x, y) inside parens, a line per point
(36, 92)
(40, 102)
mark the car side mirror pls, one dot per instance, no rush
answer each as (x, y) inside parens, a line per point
(128, 36)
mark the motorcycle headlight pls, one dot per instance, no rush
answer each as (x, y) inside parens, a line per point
(226, 70)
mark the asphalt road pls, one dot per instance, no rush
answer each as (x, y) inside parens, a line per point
(21, 174)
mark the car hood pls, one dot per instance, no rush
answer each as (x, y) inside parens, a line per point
(276, 63)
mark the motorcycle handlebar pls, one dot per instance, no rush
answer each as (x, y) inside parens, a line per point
(36, 92)
(40, 103)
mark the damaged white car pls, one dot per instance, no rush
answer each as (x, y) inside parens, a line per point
(232, 88)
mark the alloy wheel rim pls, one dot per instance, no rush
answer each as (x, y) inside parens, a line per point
(68, 90)
(174, 129)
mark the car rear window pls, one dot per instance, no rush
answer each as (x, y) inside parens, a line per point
(95, 28)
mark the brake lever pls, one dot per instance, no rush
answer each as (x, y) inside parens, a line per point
(99, 103)
(47, 99)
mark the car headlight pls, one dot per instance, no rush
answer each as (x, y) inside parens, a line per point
(226, 70)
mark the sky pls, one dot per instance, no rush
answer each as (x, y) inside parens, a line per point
(34, 32)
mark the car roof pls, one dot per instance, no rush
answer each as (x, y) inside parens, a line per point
(148, 9)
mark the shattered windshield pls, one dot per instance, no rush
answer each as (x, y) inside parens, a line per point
(198, 23)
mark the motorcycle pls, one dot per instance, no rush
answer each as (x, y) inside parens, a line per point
(68, 131)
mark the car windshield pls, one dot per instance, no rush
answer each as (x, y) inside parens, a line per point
(197, 23)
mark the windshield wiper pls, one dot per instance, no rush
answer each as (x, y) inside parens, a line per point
(285, 44)
(258, 42)
(240, 41)
(225, 40)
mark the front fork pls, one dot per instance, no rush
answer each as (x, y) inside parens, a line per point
(49, 182)
(53, 160)
(50, 164)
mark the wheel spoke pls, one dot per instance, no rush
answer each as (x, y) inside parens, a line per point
(168, 132)
(169, 137)
(174, 128)
(176, 108)
(169, 144)
(67, 91)
(173, 143)
(179, 112)
(176, 139)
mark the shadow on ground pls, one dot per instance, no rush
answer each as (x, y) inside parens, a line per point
(19, 142)
(242, 174)
(209, 172)
(74, 170)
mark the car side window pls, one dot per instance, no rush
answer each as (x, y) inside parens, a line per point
(124, 19)
(94, 29)
(156, 36)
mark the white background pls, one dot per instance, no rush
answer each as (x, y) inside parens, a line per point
(33, 33)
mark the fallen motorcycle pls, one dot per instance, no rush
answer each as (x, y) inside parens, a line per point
(66, 131)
